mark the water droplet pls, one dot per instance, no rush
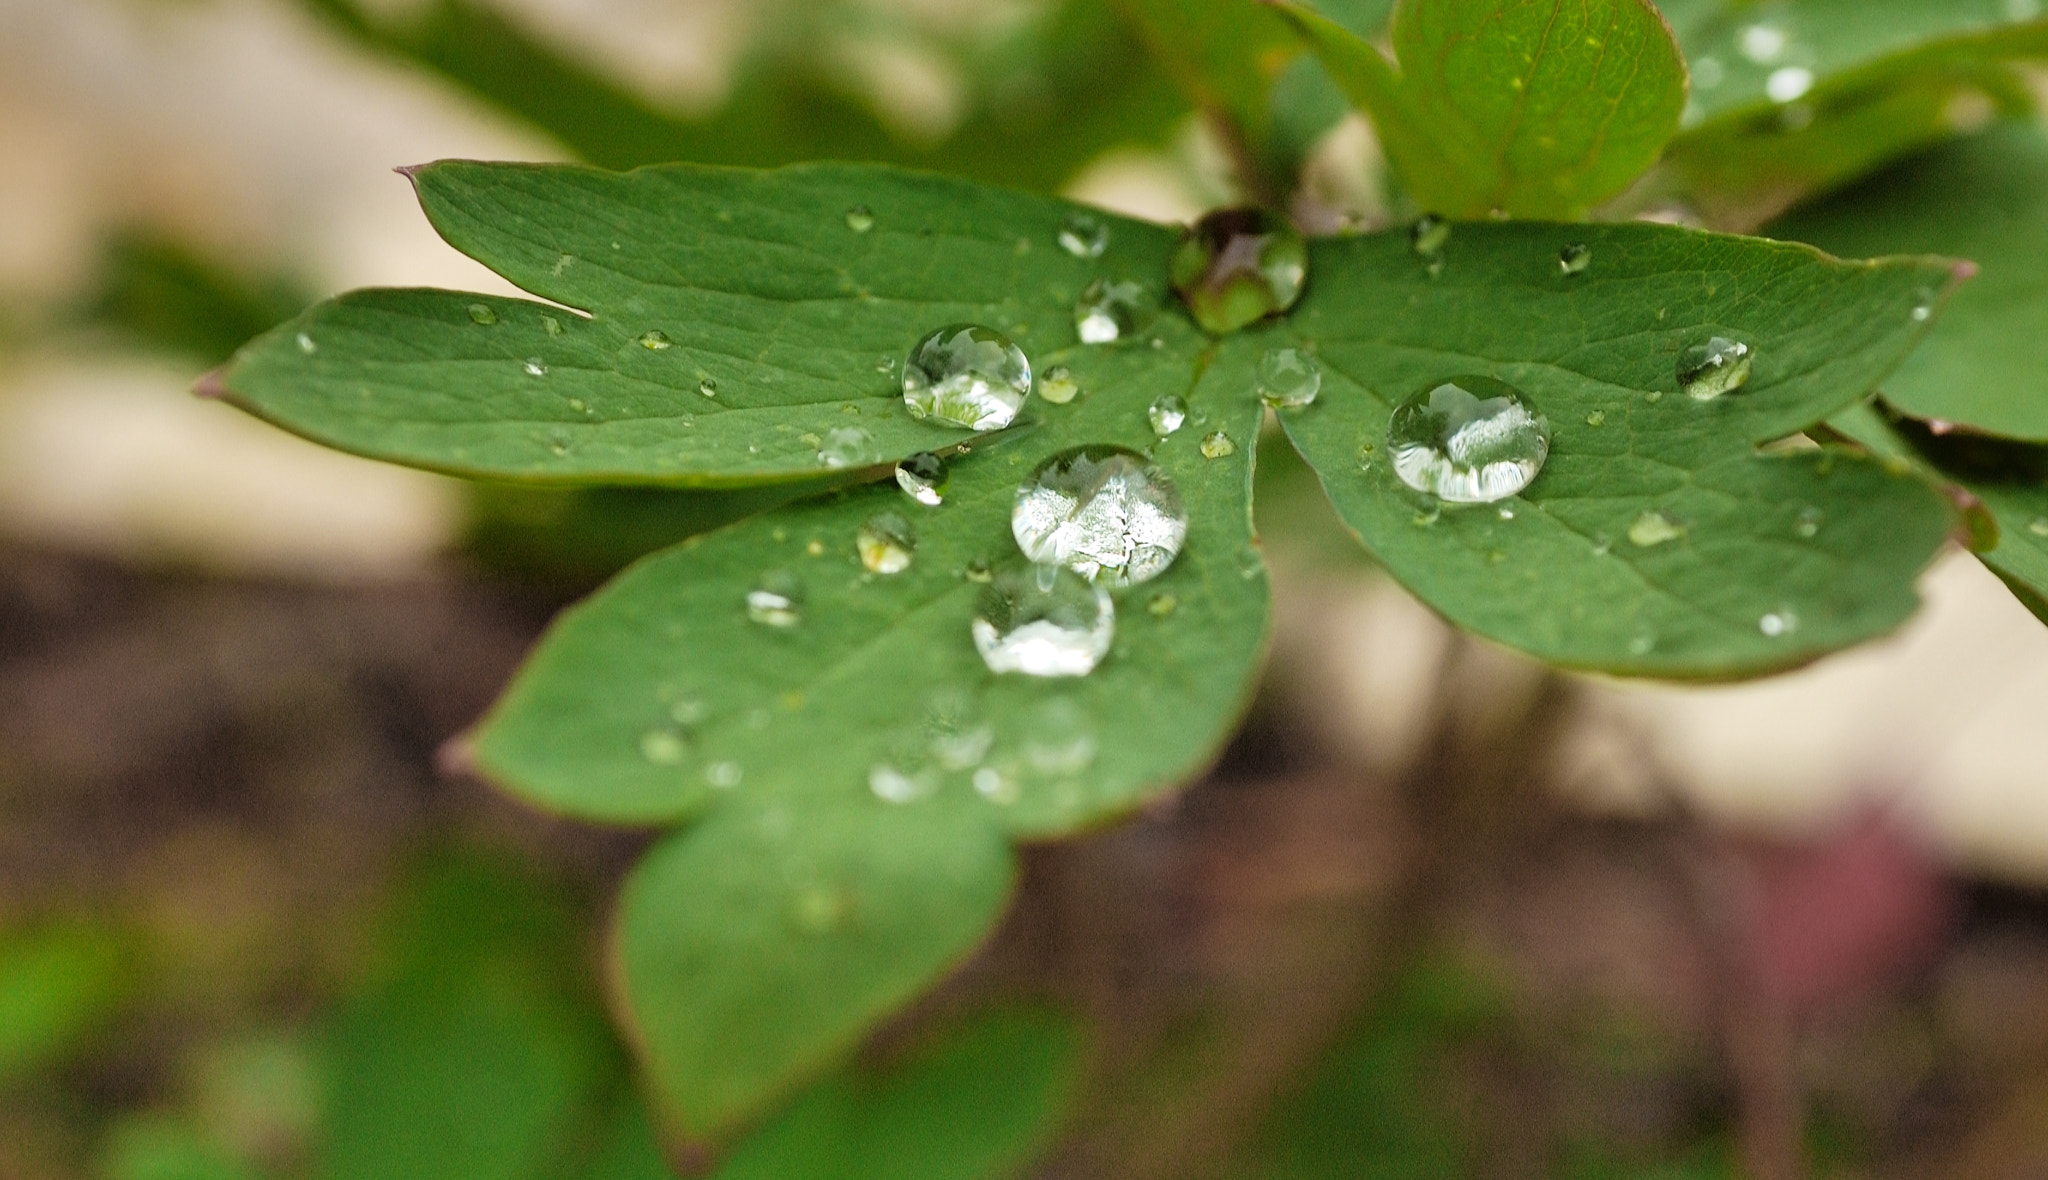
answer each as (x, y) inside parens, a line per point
(978, 570)
(1428, 236)
(1059, 739)
(1641, 643)
(1653, 528)
(723, 775)
(923, 477)
(956, 735)
(306, 344)
(777, 600)
(536, 367)
(1288, 378)
(1707, 73)
(1506, 513)
(1706, 371)
(689, 712)
(860, 219)
(1057, 385)
(2038, 526)
(885, 543)
(551, 324)
(708, 387)
(663, 747)
(1101, 512)
(1237, 266)
(885, 364)
(1107, 311)
(815, 547)
(1778, 622)
(895, 786)
(966, 375)
(996, 787)
(1653, 396)
(654, 340)
(1060, 629)
(1468, 440)
(1083, 235)
(1166, 413)
(846, 446)
(1921, 311)
(1217, 445)
(1161, 605)
(1808, 522)
(1597, 418)
(481, 313)
(1788, 84)
(1575, 258)
(1761, 44)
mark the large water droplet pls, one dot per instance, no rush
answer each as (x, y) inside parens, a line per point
(777, 600)
(1575, 258)
(1217, 445)
(1166, 413)
(1084, 235)
(1102, 512)
(1468, 440)
(846, 446)
(966, 375)
(885, 543)
(654, 340)
(481, 313)
(860, 219)
(1288, 378)
(1057, 385)
(1237, 266)
(1061, 628)
(923, 477)
(1718, 366)
(1109, 311)
(1651, 527)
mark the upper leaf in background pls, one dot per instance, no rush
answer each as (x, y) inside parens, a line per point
(1054, 92)
(1793, 96)
(1655, 541)
(1985, 364)
(1531, 109)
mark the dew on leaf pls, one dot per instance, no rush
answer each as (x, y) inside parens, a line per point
(1762, 44)
(996, 787)
(860, 219)
(1109, 311)
(777, 600)
(1575, 258)
(1059, 738)
(1083, 235)
(654, 340)
(689, 712)
(481, 313)
(306, 344)
(1428, 235)
(1788, 84)
(552, 325)
(1288, 378)
(1777, 623)
(1651, 527)
(978, 570)
(1161, 605)
(1716, 366)
(708, 387)
(536, 367)
(1101, 512)
(1056, 626)
(2038, 526)
(1597, 418)
(1468, 440)
(723, 775)
(1217, 445)
(885, 364)
(1167, 413)
(885, 543)
(1057, 385)
(923, 477)
(1807, 523)
(846, 446)
(966, 375)
(663, 747)
(1237, 266)
(896, 786)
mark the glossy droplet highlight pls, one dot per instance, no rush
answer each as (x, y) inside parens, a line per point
(1653, 528)
(923, 477)
(846, 446)
(1575, 258)
(1057, 385)
(1084, 235)
(481, 313)
(1034, 625)
(1167, 413)
(2038, 526)
(1716, 366)
(1597, 419)
(1807, 524)
(663, 747)
(306, 344)
(1110, 311)
(1237, 266)
(536, 367)
(1777, 623)
(1217, 445)
(891, 785)
(654, 340)
(966, 375)
(777, 600)
(860, 219)
(1288, 378)
(1102, 512)
(708, 387)
(1468, 440)
(1788, 84)
(885, 543)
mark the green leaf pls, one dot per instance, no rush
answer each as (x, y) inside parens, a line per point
(975, 1104)
(1534, 109)
(57, 985)
(589, 534)
(1596, 353)
(755, 281)
(1799, 95)
(1985, 364)
(760, 944)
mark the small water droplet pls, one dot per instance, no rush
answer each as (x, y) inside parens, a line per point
(708, 387)
(978, 570)
(860, 219)
(1651, 527)
(815, 548)
(689, 712)
(1288, 378)
(1641, 643)
(846, 446)
(923, 477)
(1708, 73)
(1789, 84)
(1468, 440)
(1424, 517)
(1778, 622)
(1710, 369)
(1057, 385)
(481, 313)
(966, 375)
(1166, 413)
(1921, 311)
(1653, 396)
(997, 787)
(896, 786)
(1102, 512)
(663, 747)
(1062, 629)
(723, 775)
(1109, 311)
(1506, 513)
(1602, 546)
(777, 600)
(1597, 418)
(885, 543)
(552, 325)
(1575, 258)
(654, 340)
(1161, 605)
(306, 344)
(536, 367)
(577, 404)
(1217, 445)
(1060, 739)
(1428, 235)
(1237, 266)
(1762, 44)
(1808, 522)
(885, 364)
(1083, 235)
(2038, 526)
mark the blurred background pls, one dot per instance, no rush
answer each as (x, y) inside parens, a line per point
(1439, 911)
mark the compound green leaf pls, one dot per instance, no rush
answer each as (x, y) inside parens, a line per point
(1985, 365)
(756, 947)
(1729, 584)
(975, 1104)
(1535, 109)
(754, 282)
